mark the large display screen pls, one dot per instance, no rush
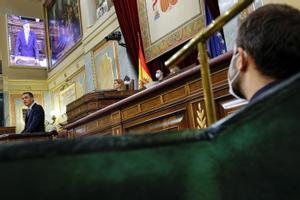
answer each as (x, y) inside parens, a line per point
(26, 41)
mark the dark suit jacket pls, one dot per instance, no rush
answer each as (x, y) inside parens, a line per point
(35, 120)
(31, 49)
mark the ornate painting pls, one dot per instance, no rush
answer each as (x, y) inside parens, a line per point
(106, 65)
(63, 28)
(103, 6)
(80, 82)
(166, 24)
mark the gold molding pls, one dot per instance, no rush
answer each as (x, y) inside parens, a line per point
(201, 118)
(173, 38)
(102, 47)
(60, 78)
(26, 85)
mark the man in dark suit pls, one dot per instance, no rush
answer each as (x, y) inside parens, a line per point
(35, 115)
(26, 43)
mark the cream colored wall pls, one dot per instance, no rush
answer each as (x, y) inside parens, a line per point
(294, 3)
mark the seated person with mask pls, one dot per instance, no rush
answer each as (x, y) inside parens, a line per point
(267, 51)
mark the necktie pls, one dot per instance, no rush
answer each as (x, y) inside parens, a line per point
(28, 112)
(26, 37)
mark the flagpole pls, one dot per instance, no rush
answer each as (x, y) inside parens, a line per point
(207, 85)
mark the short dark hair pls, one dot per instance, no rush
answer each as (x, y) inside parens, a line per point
(271, 35)
(29, 93)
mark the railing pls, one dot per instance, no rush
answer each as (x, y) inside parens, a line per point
(28, 136)
(200, 40)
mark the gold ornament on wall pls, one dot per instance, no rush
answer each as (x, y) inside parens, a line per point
(201, 117)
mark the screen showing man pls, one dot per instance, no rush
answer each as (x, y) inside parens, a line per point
(26, 38)
(26, 44)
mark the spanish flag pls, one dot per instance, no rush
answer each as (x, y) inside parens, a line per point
(144, 74)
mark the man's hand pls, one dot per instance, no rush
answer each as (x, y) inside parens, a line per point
(16, 59)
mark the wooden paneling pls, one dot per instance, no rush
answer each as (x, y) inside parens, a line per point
(174, 94)
(151, 103)
(80, 131)
(219, 77)
(116, 117)
(130, 112)
(163, 123)
(92, 126)
(227, 106)
(195, 86)
(92, 105)
(92, 102)
(117, 130)
(7, 130)
(26, 137)
(105, 121)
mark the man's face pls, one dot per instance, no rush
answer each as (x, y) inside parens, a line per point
(27, 100)
(26, 27)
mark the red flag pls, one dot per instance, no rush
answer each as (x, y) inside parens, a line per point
(144, 74)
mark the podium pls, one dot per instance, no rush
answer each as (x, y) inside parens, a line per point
(27, 137)
(94, 101)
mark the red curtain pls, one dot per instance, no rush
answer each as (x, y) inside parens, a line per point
(127, 13)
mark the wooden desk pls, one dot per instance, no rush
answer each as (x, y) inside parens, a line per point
(9, 138)
(174, 104)
(94, 101)
(8, 130)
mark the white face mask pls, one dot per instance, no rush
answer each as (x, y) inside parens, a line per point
(157, 75)
(233, 74)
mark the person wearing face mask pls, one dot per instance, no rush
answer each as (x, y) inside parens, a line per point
(159, 75)
(267, 51)
(26, 43)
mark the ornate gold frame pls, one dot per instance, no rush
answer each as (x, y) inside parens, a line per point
(61, 93)
(171, 40)
(101, 47)
(46, 5)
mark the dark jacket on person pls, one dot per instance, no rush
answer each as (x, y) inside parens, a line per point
(29, 49)
(35, 119)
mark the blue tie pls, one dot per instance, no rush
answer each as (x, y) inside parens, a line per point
(28, 112)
